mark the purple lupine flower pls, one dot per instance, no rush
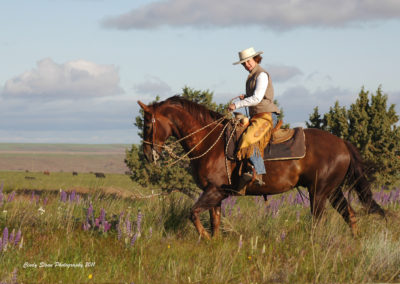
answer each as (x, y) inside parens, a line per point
(72, 196)
(5, 237)
(139, 221)
(134, 238)
(128, 225)
(11, 196)
(64, 196)
(32, 197)
(45, 201)
(97, 222)
(86, 226)
(90, 211)
(17, 238)
(102, 216)
(223, 205)
(107, 226)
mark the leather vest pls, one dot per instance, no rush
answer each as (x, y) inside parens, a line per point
(267, 102)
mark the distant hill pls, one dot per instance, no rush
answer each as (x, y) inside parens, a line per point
(36, 157)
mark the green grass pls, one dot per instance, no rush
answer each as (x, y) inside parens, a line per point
(82, 183)
(255, 247)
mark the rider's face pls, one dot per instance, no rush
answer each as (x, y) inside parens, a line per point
(249, 64)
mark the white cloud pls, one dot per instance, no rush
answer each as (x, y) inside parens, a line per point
(74, 79)
(283, 73)
(275, 14)
(299, 102)
(153, 86)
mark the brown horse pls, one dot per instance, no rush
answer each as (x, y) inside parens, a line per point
(329, 161)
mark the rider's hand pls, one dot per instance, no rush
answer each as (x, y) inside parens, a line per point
(241, 97)
(232, 107)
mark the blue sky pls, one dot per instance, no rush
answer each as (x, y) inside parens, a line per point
(72, 71)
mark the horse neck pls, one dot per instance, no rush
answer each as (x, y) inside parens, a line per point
(185, 126)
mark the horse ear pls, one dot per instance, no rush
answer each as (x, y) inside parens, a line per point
(144, 107)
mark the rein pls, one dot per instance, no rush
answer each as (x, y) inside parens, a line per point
(174, 157)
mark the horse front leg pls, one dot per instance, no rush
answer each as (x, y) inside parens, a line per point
(215, 220)
(210, 199)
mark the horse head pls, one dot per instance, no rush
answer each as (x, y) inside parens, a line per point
(156, 130)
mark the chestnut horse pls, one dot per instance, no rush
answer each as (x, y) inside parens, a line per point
(328, 162)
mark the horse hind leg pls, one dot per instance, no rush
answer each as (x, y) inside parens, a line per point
(340, 203)
(317, 205)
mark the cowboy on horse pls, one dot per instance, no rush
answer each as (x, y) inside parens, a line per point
(259, 99)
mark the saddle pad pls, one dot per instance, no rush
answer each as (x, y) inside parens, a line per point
(294, 148)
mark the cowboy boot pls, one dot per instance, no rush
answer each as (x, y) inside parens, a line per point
(244, 180)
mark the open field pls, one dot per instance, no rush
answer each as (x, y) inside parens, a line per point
(68, 237)
(62, 157)
(60, 228)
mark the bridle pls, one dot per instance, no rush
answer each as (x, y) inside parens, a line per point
(174, 157)
(154, 153)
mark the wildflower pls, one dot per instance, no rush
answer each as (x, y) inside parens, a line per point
(90, 211)
(90, 276)
(107, 226)
(17, 238)
(41, 210)
(249, 257)
(169, 246)
(5, 237)
(11, 197)
(72, 196)
(4, 212)
(32, 197)
(102, 217)
(63, 196)
(134, 238)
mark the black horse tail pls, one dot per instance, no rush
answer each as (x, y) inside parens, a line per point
(356, 176)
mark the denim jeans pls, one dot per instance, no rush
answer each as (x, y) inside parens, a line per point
(274, 119)
(258, 162)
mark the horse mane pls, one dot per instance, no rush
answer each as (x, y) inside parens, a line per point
(199, 112)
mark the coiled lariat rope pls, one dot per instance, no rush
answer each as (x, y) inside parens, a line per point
(176, 158)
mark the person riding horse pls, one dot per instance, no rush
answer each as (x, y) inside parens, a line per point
(259, 99)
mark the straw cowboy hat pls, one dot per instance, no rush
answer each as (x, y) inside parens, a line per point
(246, 54)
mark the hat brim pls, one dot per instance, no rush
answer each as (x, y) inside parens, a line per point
(247, 58)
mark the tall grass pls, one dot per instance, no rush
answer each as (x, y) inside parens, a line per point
(152, 241)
